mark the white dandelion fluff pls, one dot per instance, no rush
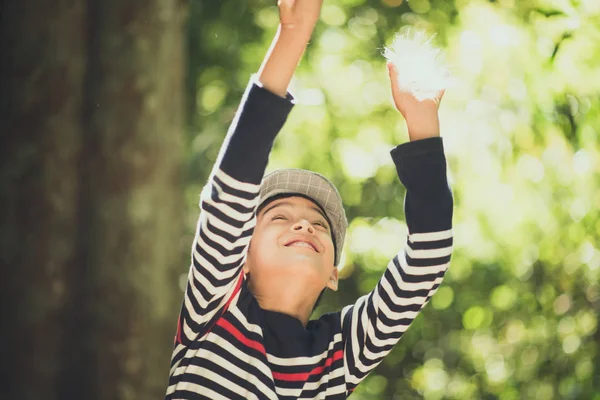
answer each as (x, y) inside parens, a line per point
(420, 66)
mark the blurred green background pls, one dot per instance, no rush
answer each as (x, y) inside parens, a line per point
(112, 134)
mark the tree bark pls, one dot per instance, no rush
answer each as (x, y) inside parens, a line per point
(90, 196)
(43, 62)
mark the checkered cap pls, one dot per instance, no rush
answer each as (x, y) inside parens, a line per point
(314, 186)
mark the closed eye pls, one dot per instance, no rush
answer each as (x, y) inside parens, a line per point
(277, 216)
(321, 224)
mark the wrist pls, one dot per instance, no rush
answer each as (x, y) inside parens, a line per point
(424, 127)
(297, 35)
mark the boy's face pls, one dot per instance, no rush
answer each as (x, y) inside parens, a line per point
(292, 240)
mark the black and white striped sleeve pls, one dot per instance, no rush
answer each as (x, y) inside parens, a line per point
(227, 205)
(375, 323)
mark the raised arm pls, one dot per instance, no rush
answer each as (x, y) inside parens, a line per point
(229, 199)
(298, 18)
(375, 323)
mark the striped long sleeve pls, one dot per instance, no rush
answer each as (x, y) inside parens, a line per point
(375, 323)
(228, 202)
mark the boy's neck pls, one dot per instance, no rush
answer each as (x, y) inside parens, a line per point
(291, 300)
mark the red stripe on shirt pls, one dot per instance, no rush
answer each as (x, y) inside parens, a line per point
(178, 335)
(303, 376)
(253, 344)
(238, 285)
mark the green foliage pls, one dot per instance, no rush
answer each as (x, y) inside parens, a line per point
(517, 314)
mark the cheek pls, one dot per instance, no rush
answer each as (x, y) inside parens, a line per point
(328, 242)
(262, 246)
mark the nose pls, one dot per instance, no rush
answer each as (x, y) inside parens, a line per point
(303, 225)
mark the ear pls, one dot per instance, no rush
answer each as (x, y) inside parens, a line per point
(246, 267)
(332, 283)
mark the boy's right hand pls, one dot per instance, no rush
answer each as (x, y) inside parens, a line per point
(299, 16)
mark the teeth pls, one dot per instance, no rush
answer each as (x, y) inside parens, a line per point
(301, 244)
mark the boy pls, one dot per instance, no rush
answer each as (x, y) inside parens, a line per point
(264, 252)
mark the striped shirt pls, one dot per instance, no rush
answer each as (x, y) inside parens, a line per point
(228, 347)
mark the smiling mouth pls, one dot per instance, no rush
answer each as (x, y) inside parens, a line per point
(300, 243)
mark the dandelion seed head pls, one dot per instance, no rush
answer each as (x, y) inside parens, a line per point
(420, 65)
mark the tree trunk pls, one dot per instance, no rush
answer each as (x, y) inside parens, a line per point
(90, 197)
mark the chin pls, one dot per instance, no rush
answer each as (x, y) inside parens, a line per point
(305, 260)
(300, 264)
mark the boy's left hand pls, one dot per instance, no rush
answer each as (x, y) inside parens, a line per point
(421, 115)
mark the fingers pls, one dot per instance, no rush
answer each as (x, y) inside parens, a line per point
(438, 98)
(396, 94)
(393, 74)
